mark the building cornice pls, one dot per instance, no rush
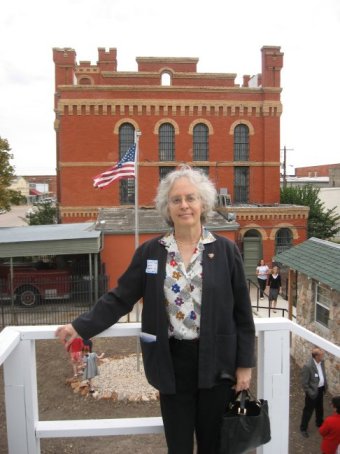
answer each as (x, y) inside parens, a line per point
(211, 164)
(271, 212)
(171, 88)
(87, 213)
(166, 107)
(277, 213)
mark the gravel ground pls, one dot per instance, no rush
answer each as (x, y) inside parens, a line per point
(119, 379)
(58, 400)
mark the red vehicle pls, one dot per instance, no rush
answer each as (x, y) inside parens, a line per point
(32, 284)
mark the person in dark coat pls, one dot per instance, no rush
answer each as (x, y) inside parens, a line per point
(314, 384)
(274, 282)
(197, 328)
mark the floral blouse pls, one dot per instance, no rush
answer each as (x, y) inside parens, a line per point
(183, 288)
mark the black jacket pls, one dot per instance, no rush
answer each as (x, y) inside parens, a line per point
(227, 332)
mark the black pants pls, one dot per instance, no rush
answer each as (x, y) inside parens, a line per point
(311, 405)
(262, 284)
(192, 410)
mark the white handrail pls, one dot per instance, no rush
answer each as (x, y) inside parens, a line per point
(24, 429)
(9, 339)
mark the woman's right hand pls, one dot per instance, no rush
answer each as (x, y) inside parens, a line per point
(66, 334)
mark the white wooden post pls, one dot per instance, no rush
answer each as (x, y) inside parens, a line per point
(273, 367)
(21, 399)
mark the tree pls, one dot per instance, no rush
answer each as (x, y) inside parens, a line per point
(8, 196)
(43, 213)
(322, 222)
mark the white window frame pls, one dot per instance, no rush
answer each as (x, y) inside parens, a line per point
(323, 300)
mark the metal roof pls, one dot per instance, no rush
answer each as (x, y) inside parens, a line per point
(53, 239)
(318, 259)
(122, 220)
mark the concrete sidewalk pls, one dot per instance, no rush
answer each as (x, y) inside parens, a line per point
(261, 307)
(14, 217)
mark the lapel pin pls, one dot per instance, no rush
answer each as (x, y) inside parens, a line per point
(211, 255)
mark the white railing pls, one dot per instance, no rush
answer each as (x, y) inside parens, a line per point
(24, 429)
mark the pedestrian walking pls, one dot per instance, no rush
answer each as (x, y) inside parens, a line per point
(262, 272)
(274, 282)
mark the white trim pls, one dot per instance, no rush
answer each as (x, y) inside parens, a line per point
(98, 427)
(24, 429)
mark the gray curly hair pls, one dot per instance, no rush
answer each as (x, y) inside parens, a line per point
(197, 177)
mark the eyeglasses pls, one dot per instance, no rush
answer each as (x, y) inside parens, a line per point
(190, 199)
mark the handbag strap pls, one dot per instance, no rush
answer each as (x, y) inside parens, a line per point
(243, 396)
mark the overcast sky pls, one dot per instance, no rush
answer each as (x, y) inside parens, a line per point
(225, 35)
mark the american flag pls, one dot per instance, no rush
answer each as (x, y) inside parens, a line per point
(125, 168)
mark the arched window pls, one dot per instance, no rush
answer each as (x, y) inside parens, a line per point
(241, 143)
(283, 240)
(165, 79)
(126, 138)
(200, 142)
(252, 233)
(241, 184)
(85, 81)
(126, 186)
(166, 142)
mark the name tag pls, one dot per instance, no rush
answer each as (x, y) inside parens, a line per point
(151, 266)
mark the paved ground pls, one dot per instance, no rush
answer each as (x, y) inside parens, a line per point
(262, 310)
(13, 218)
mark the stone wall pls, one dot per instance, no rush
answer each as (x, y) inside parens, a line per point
(305, 316)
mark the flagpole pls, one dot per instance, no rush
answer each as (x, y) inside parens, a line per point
(137, 135)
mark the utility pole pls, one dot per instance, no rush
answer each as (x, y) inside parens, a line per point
(285, 165)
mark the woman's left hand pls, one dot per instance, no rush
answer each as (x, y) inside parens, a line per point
(243, 377)
(66, 334)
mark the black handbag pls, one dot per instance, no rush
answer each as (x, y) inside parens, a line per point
(245, 425)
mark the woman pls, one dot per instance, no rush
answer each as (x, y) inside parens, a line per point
(262, 271)
(198, 331)
(274, 282)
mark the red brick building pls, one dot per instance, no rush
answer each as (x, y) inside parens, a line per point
(207, 120)
(48, 183)
(322, 170)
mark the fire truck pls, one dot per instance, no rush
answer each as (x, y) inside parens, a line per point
(31, 284)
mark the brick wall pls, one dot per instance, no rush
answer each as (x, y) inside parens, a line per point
(88, 119)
